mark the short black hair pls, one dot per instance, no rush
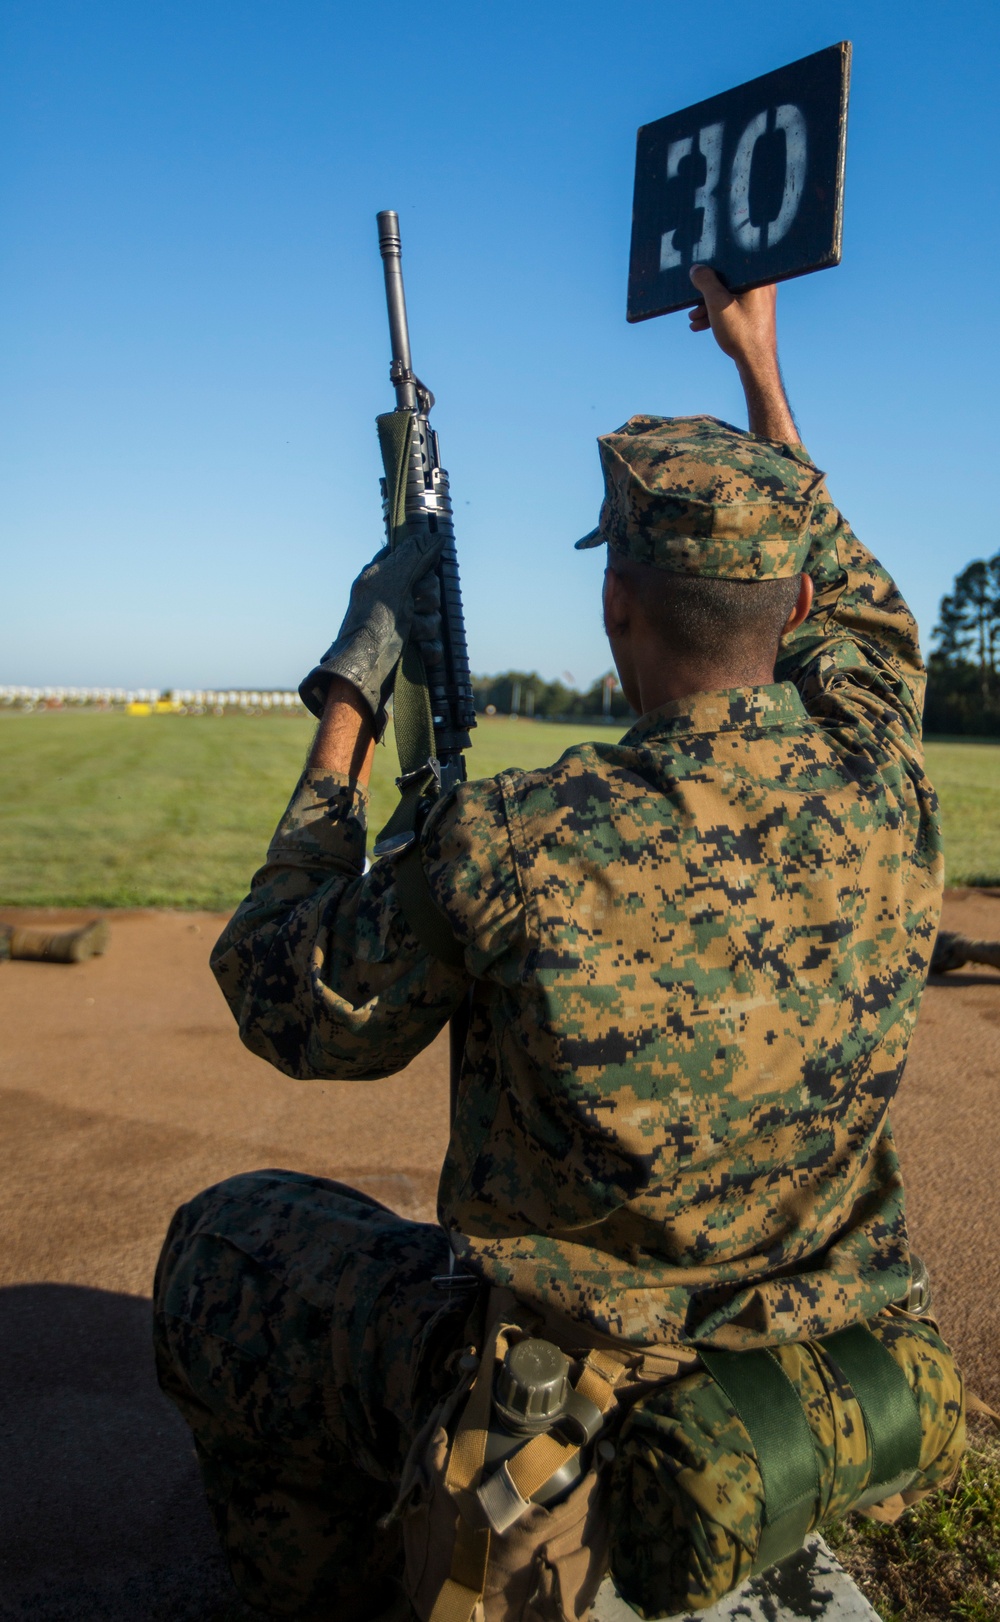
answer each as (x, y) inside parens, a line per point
(706, 621)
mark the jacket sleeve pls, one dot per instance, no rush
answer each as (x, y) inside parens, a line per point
(319, 965)
(856, 659)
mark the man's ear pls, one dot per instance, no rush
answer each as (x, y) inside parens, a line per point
(616, 602)
(803, 603)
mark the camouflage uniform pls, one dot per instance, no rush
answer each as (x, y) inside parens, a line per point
(696, 955)
(297, 1333)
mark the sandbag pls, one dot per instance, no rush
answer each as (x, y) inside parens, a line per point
(687, 1503)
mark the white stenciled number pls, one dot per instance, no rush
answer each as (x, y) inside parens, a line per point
(788, 119)
(746, 233)
(710, 147)
(677, 151)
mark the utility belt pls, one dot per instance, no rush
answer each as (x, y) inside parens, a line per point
(681, 1473)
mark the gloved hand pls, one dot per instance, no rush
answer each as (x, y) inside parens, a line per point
(378, 620)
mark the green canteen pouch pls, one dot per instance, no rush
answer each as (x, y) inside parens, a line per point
(722, 1473)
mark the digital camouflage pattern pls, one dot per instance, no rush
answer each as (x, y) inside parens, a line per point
(687, 1499)
(297, 1332)
(694, 495)
(696, 958)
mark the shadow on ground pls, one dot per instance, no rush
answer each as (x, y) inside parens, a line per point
(100, 1500)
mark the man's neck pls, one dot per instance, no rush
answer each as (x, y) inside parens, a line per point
(658, 686)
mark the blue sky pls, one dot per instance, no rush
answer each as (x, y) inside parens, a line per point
(192, 333)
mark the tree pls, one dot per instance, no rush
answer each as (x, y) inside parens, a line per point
(970, 621)
(963, 687)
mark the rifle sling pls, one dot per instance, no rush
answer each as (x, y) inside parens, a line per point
(413, 724)
(412, 720)
(395, 431)
(423, 915)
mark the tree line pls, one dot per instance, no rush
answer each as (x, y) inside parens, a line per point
(963, 685)
(524, 692)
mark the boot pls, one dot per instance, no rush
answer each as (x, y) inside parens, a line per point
(56, 945)
(953, 951)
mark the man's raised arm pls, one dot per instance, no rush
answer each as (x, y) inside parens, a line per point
(856, 658)
(746, 329)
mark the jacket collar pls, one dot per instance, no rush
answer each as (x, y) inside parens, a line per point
(734, 709)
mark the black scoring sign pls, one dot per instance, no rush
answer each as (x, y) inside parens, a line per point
(750, 182)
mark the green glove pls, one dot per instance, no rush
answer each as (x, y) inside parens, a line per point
(378, 620)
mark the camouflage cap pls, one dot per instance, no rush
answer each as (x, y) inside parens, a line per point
(694, 495)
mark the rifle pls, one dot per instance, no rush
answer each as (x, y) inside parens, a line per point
(416, 500)
(433, 704)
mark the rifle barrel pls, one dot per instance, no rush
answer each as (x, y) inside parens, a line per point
(401, 370)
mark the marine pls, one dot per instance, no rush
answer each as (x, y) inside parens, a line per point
(695, 959)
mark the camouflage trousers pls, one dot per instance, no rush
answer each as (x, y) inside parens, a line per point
(299, 1334)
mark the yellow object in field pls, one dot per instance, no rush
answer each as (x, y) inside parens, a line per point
(164, 706)
(137, 708)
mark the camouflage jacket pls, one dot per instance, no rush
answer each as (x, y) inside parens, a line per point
(696, 956)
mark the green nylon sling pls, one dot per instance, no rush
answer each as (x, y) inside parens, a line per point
(411, 704)
(892, 1419)
(413, 724)
(768, 1405)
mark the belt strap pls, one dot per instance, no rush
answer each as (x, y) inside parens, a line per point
(463, 1589)
(891, 1415)
(769, 1406)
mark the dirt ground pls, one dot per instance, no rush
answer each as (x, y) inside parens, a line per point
(124, 1090)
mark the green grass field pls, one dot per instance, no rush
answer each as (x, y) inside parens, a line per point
(109, 810)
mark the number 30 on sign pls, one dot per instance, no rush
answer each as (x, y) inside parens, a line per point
(750, 182)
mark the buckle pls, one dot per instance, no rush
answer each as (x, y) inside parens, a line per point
(394, 844)
(502, 1504)
(408, 779)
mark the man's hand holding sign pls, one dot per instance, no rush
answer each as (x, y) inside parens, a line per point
(746, 329)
